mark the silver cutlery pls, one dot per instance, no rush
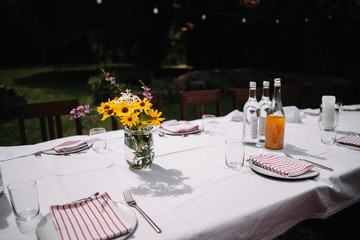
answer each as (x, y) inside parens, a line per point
(131, 202)
(316, 164)
(36, 154)
(92, 195)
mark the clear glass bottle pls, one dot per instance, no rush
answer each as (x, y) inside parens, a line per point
(264, 107)
(251, 118)
(275, 120)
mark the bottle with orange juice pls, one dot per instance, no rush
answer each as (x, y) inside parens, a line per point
(275, 120)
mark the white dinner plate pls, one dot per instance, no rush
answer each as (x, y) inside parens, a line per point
(53, 152)
(178, 134)
(312, 173)
(46, 228)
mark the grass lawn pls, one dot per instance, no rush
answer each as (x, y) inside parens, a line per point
(44, 84)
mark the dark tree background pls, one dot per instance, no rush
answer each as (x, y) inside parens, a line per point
(310, 36)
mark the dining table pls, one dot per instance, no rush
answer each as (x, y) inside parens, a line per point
(189, 192)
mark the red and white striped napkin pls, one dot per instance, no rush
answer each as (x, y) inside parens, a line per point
(70, 146)
(351, 140)
(179, 126)
(281, 165)
(92, 218)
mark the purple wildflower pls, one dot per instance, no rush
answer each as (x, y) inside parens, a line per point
(147, 95)
(110, 79)
(146, 92)
(80, 111)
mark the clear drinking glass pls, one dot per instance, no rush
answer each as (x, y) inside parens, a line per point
(234, 153)
(328, 131)
(209, 123)
(98, 139)
(24, 199)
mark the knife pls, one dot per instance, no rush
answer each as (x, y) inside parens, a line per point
(318, 165)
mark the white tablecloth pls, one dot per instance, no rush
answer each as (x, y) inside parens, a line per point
(189, 192)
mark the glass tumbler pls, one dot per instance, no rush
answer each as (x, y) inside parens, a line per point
(24, 199)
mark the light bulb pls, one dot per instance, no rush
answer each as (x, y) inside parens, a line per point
(156, 10)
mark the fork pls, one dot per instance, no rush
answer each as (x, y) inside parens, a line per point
(131, 202)
(316, 164)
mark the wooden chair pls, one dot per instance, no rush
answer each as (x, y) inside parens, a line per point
(317, 91)
(157, 102)
(47, 110)
(242, 95)
(201, 100)
(292, 95)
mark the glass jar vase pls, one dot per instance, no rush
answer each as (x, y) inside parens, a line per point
(139, 148)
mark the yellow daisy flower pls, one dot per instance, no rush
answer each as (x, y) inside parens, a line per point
(107, 109)
(157, 119)
(122, 109)
(142, 105)
(130, 120)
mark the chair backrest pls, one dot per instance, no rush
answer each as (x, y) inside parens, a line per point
(242, 95)
(157, 102)
(292, 95)
(47, 110)
(317, 91)
(201, 100)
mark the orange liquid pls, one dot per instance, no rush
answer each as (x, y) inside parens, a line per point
(274, 132)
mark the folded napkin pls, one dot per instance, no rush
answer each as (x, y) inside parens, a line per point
(70, 146)
(92, 218)
(354, 107)
(314, 112)
(281, 165)
(292, 114)
(351, 140)
(174, 126)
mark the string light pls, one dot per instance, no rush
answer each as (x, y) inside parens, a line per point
(98, 1)
(205, 13)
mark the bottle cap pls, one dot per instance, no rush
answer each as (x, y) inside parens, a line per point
(252, 84)
(328, 100)
(277, 82)
(266, 83)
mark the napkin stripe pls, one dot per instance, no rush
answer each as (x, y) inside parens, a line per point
(57, 222)
(127, 230)
(102, 218)
(87, 227)
(72, 225)
(111, 218)
(62, 219)
(90, 220)
(82, 232)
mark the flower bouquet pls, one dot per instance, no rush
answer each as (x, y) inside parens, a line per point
(137, 118)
